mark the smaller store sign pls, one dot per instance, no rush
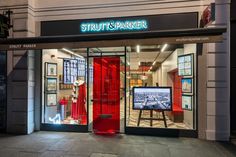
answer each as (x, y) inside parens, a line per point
(114, 26)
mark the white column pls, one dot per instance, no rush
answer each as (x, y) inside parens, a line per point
(20, 71)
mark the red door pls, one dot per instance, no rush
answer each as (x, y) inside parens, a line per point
(106, 95)
(177, 92)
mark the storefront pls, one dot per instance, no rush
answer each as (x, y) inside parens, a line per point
(133, 75)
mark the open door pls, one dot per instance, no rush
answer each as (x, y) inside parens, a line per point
(106, 94)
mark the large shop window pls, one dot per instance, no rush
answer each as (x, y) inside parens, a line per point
(161, 86)
(64, 95)
(158, 86)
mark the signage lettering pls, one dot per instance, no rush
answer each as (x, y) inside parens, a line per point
(196, 39)
(114, 26)
(22, 46)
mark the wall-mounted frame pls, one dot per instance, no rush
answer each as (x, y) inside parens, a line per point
(51, 69)
(51, 85)
(81, 67)
(70, 71)
(187, 85)
(185, 65)
(187, 102)
(51, 99)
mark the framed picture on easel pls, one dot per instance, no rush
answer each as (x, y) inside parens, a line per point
(152, 98)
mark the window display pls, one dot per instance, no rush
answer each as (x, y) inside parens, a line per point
(64, 87)
(78, 110)
(152, 98)
(164, 99)
(172, 103)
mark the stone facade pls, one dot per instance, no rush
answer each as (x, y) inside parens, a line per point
(23, 106)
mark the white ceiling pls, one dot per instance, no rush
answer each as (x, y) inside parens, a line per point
(147, 54)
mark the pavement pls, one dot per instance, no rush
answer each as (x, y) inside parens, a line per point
(59, 144)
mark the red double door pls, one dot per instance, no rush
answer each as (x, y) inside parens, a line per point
(106, 95)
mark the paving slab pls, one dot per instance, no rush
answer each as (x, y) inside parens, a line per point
(64, 144)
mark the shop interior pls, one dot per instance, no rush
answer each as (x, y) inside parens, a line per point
(87, 86)
(166, 65)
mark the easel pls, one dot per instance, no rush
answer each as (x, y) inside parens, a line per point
(151, 115)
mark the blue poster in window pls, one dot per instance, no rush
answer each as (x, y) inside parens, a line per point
(70, 70)
(81, 67)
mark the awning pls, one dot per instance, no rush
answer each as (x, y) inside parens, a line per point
(186, 36)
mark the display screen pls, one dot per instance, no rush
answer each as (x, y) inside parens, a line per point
(152, 98)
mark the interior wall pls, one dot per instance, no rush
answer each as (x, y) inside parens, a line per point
(149, 81)
(164, 79)
(169, 65)
(189, 115)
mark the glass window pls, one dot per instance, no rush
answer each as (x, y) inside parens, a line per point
(64, 92)
(161, 81)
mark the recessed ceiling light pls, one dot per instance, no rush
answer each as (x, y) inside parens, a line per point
(138, 48)
(164, 47)
(154, 63)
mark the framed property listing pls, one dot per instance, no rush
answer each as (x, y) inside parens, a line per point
(187, 85)
(51, 99)
(187, 102)
(51, 84)
(51, 69)
(185, 65)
